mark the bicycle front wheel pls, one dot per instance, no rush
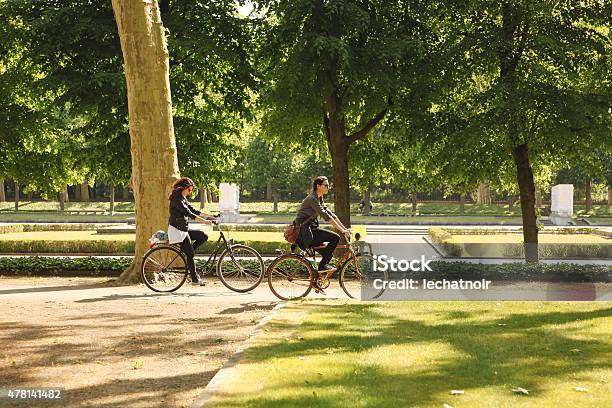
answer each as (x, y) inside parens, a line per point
(240, 268)
(357, 275)
(290, 277)
(164, 269)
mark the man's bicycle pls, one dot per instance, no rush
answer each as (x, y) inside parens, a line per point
(293, 275)
(239, 267)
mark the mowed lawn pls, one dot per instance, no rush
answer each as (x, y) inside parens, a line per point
(413, 354)
(94, 236)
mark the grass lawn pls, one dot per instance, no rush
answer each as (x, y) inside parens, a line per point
(93, 236)
(420, 219)
(412, 354)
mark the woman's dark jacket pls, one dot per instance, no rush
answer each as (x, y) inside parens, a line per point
(311, 207)
(180, 212)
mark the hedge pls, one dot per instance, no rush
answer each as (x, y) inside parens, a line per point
(6, 229)
(93, 266)
(112, 247)
(441, 237)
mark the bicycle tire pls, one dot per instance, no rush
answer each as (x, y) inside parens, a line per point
(231, 278)
(164, 263)
(357, 285)
(283, 282)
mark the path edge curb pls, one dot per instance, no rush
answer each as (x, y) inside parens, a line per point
(227, 370)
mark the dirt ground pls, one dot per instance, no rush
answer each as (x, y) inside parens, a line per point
(120, 346)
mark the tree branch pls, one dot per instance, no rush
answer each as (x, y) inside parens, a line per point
(368, 126)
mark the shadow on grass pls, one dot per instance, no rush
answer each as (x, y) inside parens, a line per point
(519, 349)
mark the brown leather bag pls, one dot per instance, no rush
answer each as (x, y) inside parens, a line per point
(292, 231)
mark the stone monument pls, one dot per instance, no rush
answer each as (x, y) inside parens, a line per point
(229, 202)
(562, 204)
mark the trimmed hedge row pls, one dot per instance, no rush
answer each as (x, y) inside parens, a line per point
(92, 266)
(442, 237)
(112, 247)
(6, 229)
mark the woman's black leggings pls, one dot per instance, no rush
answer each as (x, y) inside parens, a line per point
(319, 236)
(188, 249)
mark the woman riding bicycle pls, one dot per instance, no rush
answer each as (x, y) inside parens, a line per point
(178, 224)
(311, 235)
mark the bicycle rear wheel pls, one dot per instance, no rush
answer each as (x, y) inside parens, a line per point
(164, 269)
(357, 276)
(290, 277)
(240, 268)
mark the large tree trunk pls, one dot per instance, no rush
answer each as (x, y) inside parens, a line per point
(340, 174)
(588, 198)
(2, 194)
(367, 200)
(153, 147)
(483, 196)
(527, 191)
(84, 192)
(112, 198)
(16, 195)
(66, 198)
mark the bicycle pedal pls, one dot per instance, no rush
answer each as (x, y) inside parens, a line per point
(320, 291)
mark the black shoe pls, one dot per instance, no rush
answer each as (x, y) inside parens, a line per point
(196, 281)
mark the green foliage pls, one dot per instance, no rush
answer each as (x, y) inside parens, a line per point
(63, 266)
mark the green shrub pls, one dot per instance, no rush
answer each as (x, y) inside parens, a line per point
(48, 266)
(112, 247)
(11, 228)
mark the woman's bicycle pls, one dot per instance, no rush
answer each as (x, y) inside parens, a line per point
(239, 267)
(293, 275)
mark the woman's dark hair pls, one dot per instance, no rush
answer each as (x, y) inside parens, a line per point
(179, 185)
(317, 182)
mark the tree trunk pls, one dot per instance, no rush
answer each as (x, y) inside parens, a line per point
(61, 199)
(77, 193)
(275, 195)
(367, 200)
(511, 200)
(16, 195)
(527, 192)
(588, 198)
(414, 203)
(203, 197)
(269, 190)
(210, 196)
(125, 193)
(609, 195)
(2, 194)
(66, 198)
(483, 196)
(112, 198)
(85, 192)
(213, 197)
(462, 204)
(153, 147)
(538, 198)
(30, 195)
